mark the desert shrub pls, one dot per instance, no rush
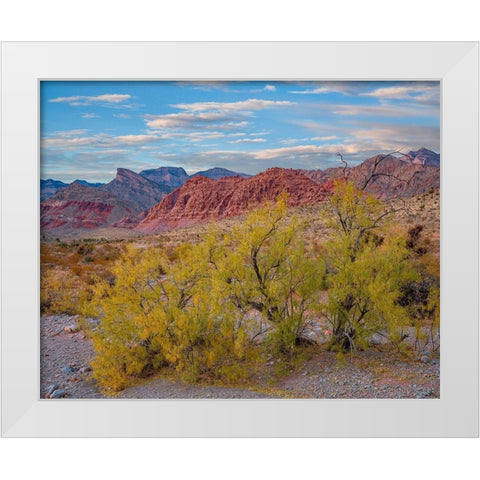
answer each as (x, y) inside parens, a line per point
(191, 309)
(368, 267)
(162, 313)
(264, 266)
(422, 296)
(212, 309)
(59, 291)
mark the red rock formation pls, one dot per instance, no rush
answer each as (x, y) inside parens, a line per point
(81, 207)
(201, 198)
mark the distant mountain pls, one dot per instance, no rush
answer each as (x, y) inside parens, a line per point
(202, 198)
(423, 156)
(172, 177)
(396, 176)
(80, 207)
(136, 201)
(135, 188)
(216, 173)
(166, 178)
(50, 187)
(88, 184)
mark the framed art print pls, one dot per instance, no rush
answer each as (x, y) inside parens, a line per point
(240, 239)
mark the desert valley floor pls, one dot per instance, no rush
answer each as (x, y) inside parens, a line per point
(379, 372)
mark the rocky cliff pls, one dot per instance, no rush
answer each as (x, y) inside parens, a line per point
(134, 188)
(201, 198)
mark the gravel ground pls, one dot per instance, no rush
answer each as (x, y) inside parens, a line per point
(65, 355)
(368, 375)
(65, 373)
(163, 388)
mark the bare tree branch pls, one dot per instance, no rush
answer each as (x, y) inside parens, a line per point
(345, 165)
(374, 173)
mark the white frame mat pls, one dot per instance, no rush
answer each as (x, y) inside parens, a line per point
(455, 414)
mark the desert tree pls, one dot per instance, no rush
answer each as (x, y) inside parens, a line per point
(367, 268)
(265, 268)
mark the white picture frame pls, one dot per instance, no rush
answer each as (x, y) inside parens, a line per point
(455, 64)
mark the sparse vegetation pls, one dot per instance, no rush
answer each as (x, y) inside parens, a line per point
(215, 303)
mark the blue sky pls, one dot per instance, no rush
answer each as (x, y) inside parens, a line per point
(89, 129)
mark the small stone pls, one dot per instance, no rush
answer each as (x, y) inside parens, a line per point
(68, 369)
(425, 359)
(51, 389)
(60, 393)
(86, 369)
(72, 328)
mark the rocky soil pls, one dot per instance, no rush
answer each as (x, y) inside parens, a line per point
(368, 375)
(65, 356)
(65, 373)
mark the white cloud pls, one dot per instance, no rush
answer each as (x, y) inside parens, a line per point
(70, 142)
(289, 141)
(250, 140)
(388, 138)
(270, 88)
(384, 110)
(159, 154)
(416, 92)
(346, 88)
(186, 120)
(290, 151)
(90, 115)
(312, 91)
(135, 139)
(195, 136)
(205, 86)
(69, 133)
(419, 92)
(78, 100)
(121, 115)
(228, 107)
(211, 115)
(325, 139)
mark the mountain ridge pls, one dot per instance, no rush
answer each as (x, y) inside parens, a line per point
(202, 198)
(393, 176)
(133, 201)
(132, 187)
(216, 173)
(80, 207)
